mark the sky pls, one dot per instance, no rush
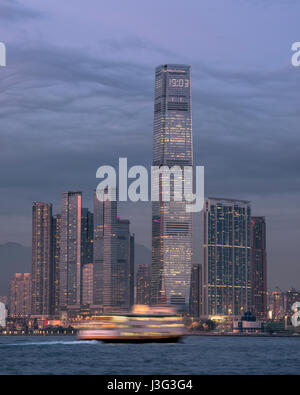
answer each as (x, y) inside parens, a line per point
(77, 93)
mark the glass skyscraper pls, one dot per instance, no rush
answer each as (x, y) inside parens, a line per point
(113, 258)
(54, 277)
(41, 257)
(70, 250)
(171, 224)
(259, 267)
(226, 258)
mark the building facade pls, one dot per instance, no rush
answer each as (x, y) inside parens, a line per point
(70, 250)
(259, 267)
(113, 258)
(87, 253)
(54, 278)
(41, 257)
(87, 284)
(2, 315)
(20, 303)
(195, 299)
(143, 281)
(226, 257)
(172, 225)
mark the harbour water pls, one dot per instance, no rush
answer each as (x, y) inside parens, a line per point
(194, 355)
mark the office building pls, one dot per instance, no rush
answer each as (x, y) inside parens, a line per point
(87, 283)
(113, 258)
(70, 251)
(195, 299)
(171, 223)
(54, 278)
(259, 267)
(143, 281)
(87, 236)
(41, 257)
(20, 295)
(226, 257)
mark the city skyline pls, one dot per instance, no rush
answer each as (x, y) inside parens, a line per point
(238, 81)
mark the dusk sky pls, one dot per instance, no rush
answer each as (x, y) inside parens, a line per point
(78, 92)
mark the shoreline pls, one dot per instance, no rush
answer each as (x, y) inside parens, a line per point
(211, 334)
(245, 334)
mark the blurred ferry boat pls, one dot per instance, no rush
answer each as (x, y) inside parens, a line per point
(144, 324)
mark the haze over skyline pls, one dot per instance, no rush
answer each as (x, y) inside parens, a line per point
(77, 93)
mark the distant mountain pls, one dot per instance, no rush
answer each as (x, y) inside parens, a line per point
(15, 258)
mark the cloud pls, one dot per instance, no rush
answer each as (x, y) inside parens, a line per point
(65, 111)
(13, 10)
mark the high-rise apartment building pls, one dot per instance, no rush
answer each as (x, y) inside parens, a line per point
(70, 250)
(20, 295)
(41, 257)
(171, 223)
(113, 258)
(259, 267)
(54, 278)
(226, 258)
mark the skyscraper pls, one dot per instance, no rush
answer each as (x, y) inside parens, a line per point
(171, 224)
(195, 299)
(259, 267)
(226, 258)
(87, 236)
(105, 217)
(54, 277)
(20, 295)
(113, 258)
(41, 257)
(70, 250)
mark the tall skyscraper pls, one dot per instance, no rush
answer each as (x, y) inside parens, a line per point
(54, 278)
(20, 295)
(113, 258)
(70, 250)
(171, 224)
(105, 216)
(226, 259)
(259, 267)
(41, 257)
(87, 236)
